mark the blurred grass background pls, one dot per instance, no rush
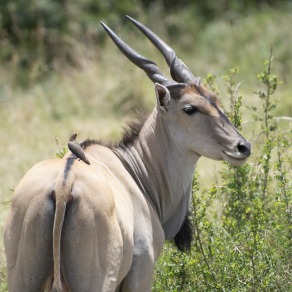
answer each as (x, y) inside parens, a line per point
(60, 73)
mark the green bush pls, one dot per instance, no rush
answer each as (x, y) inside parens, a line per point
(246, 244)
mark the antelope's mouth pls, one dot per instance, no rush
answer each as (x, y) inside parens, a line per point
(238, 154)
(235, 160)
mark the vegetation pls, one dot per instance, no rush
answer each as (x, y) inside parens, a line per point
(60, 74)
(243, 222)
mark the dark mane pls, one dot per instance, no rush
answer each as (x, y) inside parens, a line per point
(130, 134)
(90, 142)
(132, 129)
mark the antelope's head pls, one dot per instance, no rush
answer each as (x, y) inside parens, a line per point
(193, 116)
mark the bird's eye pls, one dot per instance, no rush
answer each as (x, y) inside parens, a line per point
(190, 109)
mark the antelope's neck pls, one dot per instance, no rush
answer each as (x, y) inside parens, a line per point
(162, 171)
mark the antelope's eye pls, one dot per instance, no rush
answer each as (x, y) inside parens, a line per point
(190, 109)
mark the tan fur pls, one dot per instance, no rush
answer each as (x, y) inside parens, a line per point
(200, 101)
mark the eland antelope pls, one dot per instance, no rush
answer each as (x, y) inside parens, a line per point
(101, 227)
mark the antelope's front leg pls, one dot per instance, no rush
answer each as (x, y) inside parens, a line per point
(148, 243)
(140, 275)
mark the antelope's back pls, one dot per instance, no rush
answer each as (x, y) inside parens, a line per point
(91, 220)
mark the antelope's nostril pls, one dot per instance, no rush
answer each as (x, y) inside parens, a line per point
(244, 148)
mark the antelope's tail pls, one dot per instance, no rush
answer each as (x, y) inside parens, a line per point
(63, 195)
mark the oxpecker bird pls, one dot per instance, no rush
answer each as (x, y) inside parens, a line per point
(76, 149)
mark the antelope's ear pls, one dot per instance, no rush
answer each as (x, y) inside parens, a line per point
(163, 96)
